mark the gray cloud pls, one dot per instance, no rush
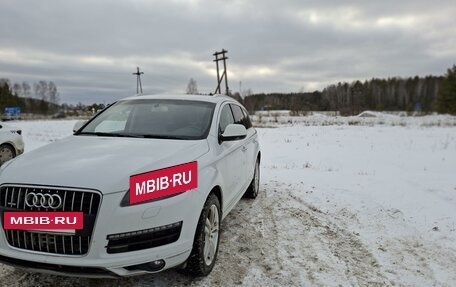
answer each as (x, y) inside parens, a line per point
(90, 48)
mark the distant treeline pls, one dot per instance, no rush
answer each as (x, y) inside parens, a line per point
(431, 93)
(43, 99)
(379, 94)
(427, 94)
(292, 101)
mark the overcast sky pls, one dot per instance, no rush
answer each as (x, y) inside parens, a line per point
(90, 48)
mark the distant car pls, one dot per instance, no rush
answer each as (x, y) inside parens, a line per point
(11, 143)
(152, 177)
(11, 113)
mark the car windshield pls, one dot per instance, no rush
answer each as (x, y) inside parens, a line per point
(153, 118)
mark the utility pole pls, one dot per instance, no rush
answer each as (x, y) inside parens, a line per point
(220, 56)
(138, 80)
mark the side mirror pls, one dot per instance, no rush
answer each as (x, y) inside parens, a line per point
(78, 125)
(233, 132)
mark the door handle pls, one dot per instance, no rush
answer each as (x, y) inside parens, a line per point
(244, 149)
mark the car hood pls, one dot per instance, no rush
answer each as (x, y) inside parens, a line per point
(102, 163)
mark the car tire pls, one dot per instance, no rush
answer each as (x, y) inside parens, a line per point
(7, 152)
(204, 253)
(254, 187)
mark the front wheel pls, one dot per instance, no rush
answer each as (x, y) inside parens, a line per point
(254, 187)
(205, 245)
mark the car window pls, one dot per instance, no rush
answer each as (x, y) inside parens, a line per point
(247, 122)
(238, 115)
(241, 116)
(114, 121)
(153, 118)
(226, 118)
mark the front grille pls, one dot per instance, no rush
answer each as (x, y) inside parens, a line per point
(12, 198)
(143, 239)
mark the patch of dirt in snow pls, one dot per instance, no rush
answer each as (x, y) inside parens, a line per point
(276, 240)
(416, 260)
(330, 254)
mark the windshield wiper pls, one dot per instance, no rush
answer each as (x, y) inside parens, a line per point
(102, 134)
(167, 137)
(129, 135)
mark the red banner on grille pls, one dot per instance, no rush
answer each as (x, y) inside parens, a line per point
(163, 182)
(43, 220)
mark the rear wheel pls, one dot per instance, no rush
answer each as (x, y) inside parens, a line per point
(6, 153)
(205, 245)
(254, 187)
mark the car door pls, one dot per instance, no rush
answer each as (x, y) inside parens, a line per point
(248, 146)
(231, 163)
(251, 144)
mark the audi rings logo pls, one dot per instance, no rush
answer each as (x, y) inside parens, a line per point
(47, 200)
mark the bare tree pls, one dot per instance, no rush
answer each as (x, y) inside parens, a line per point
(41, 90)
(5, 82)
(247, 93)
(53, 95)
(192, 87)
(17, 89)
(26, 89)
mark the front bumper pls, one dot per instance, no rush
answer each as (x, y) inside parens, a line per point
(18, 142)
(20, 150)
(113, 219)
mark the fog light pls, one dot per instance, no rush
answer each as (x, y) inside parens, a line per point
(153, 266)
(157, 264)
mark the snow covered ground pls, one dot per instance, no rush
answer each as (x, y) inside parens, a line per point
(371, 204)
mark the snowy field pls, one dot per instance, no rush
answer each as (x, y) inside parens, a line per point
(367, 204)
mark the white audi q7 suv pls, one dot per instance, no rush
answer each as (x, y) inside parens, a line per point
(146, 183)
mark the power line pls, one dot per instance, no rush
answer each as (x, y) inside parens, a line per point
(138, 80)
(220, 56)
